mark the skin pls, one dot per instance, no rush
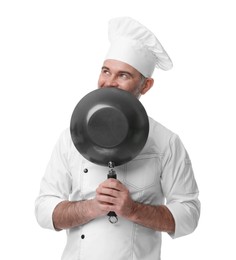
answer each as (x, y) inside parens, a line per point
(112, 195)
(123, 76)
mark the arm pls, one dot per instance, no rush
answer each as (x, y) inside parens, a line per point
(180, 188)
(181, 214)
(69, 214)
(53, 210)
(112, 195)
(155, 217)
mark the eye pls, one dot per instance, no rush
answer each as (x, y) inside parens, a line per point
(124, 76)
(105, 71)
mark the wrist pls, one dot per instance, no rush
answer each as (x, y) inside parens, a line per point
(134, 209)
(93, 209)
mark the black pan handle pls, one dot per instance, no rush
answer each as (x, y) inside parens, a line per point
(112, 174)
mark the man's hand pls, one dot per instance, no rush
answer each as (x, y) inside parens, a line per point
(112, 195)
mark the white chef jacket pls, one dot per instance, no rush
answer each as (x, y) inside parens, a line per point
(160, 174)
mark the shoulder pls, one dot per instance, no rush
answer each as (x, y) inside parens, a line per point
(160, 137)
(156, 127)
(65, 142)
(64, 137)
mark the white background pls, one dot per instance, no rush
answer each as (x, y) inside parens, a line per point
(51, 53)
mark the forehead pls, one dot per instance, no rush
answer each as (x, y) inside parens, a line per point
(116, 66)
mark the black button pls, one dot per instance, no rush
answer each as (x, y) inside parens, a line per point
(85, 170)
(82, 236)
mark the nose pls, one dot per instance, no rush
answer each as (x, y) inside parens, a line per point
(111, 82)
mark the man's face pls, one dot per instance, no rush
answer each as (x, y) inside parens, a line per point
(121, 75)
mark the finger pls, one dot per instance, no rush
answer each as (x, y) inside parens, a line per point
(107, 207)
(113, 184)
(108, 192)
(107, 200)
(106, 186)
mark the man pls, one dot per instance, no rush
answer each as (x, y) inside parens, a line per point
(75, 194)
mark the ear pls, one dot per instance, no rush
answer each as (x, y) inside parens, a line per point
(147, 85)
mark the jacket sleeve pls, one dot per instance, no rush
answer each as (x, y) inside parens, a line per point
(55, 185)
(180, 188)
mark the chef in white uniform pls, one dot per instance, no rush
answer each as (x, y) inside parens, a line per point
(155, 192)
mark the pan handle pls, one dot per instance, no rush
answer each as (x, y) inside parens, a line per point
(112, 174)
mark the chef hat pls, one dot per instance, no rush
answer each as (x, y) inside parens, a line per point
(134, 44)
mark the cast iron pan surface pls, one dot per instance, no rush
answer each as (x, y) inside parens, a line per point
(109, 125)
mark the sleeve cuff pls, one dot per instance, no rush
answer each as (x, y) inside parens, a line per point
(183, 221)
(44, 211)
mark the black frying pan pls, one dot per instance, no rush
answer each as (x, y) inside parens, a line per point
(109, 125)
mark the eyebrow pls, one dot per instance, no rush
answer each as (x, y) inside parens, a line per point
(104, 67)
(121, 71)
